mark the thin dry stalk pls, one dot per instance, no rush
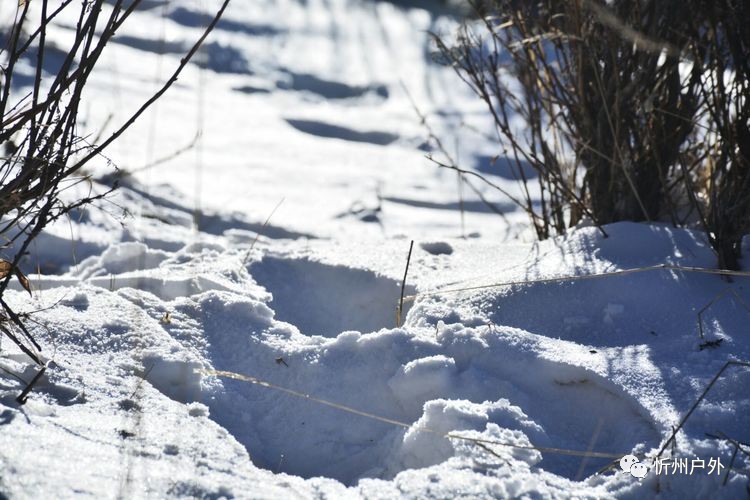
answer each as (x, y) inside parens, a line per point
(697, 402)
(723, 293)
(400, 309)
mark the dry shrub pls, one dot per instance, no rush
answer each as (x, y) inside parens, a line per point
(632, 109)
(44, 154)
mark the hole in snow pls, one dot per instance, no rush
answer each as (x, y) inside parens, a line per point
(175, 379)
(326, 300)
(494, 385)
(303, 438)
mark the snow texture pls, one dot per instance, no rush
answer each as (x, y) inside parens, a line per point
(302, 101)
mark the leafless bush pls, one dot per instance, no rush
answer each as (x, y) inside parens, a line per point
(632, 109)
(44, 155)
(724, 194)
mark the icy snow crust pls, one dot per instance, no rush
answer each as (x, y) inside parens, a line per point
(302, 101)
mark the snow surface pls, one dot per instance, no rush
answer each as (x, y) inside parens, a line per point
(176, 274)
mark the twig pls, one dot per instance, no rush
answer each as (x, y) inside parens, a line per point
(25, 393)
(171, 156)
(737, 447)
(698, 401)
(557, 279)
(258, 233)
(183, 62)
(461, 177)
(592, 443)
(716, 298)
(348, 409)
(731, 463)
(143, 379)
(403, 286)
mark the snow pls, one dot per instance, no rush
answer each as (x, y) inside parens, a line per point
(139, 301)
